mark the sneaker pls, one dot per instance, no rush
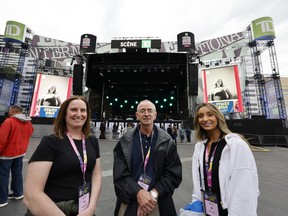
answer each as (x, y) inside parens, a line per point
(3, 204)
(12, 196)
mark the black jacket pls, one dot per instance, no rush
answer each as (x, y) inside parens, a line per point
(167, 165)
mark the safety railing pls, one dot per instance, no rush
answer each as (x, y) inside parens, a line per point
(267, 140)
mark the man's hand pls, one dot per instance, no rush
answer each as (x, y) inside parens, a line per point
(145, 201)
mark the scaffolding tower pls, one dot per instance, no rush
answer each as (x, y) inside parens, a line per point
(258, 79)
(14, 56)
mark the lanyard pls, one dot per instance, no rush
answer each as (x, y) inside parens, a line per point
(83, 164)
(209, 165)
(142, 151)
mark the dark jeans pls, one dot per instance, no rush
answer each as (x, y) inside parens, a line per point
(15, 165)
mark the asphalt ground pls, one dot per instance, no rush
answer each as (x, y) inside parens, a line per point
(272, 166)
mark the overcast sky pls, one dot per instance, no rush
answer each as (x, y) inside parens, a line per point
(67, 20)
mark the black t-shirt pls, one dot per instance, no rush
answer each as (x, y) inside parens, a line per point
(215, 172)
(65, 175)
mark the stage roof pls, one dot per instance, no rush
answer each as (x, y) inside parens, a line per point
(133, 76)
(137, 75)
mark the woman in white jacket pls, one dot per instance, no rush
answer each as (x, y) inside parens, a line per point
(224, 171)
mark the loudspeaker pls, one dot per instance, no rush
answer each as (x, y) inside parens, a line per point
(48, 62)
(193, 79)
(88, 43)
(77, 79)
(186, 42)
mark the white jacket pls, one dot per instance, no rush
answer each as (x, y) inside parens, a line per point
(238, 176)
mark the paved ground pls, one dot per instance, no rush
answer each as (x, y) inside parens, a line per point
(272, 168)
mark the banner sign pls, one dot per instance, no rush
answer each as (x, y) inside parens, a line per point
(227, 106)
(272, 102)
(49, 48)
(6, 87)
(134, 44)
(263, 29)
(15, 32)
(48, 112)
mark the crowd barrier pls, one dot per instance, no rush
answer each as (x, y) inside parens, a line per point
(267, 140)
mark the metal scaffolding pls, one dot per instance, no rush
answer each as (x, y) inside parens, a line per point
(259, 79)
(14, 58)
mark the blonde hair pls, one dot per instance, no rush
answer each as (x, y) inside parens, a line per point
(200, 133)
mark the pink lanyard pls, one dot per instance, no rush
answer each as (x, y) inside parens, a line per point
(142, 151)
(209, 165)
(83, 165)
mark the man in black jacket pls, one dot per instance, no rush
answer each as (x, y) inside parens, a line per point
(147, 168)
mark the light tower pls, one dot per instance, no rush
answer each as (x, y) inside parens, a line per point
(260, 36)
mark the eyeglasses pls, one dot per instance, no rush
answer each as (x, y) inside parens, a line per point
(143, 111)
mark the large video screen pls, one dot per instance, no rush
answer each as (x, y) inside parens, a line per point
(222, 88)
(49, 93)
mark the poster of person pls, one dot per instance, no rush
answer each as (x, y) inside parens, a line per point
(49, 93)
(222, 88)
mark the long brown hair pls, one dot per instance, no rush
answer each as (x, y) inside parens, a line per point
(60, 127)
(200, 133)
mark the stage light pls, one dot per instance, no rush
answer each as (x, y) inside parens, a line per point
(111, 104)
(172, 98)
(156, 102)
(136, 102)
(132, 107)
(107, 97)
(161, 106)
(170, 104)
(116, 99)
(275, 76)
(270, 43)
(164, 99)
(121, 106)
(252, 43)
(125, 101)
